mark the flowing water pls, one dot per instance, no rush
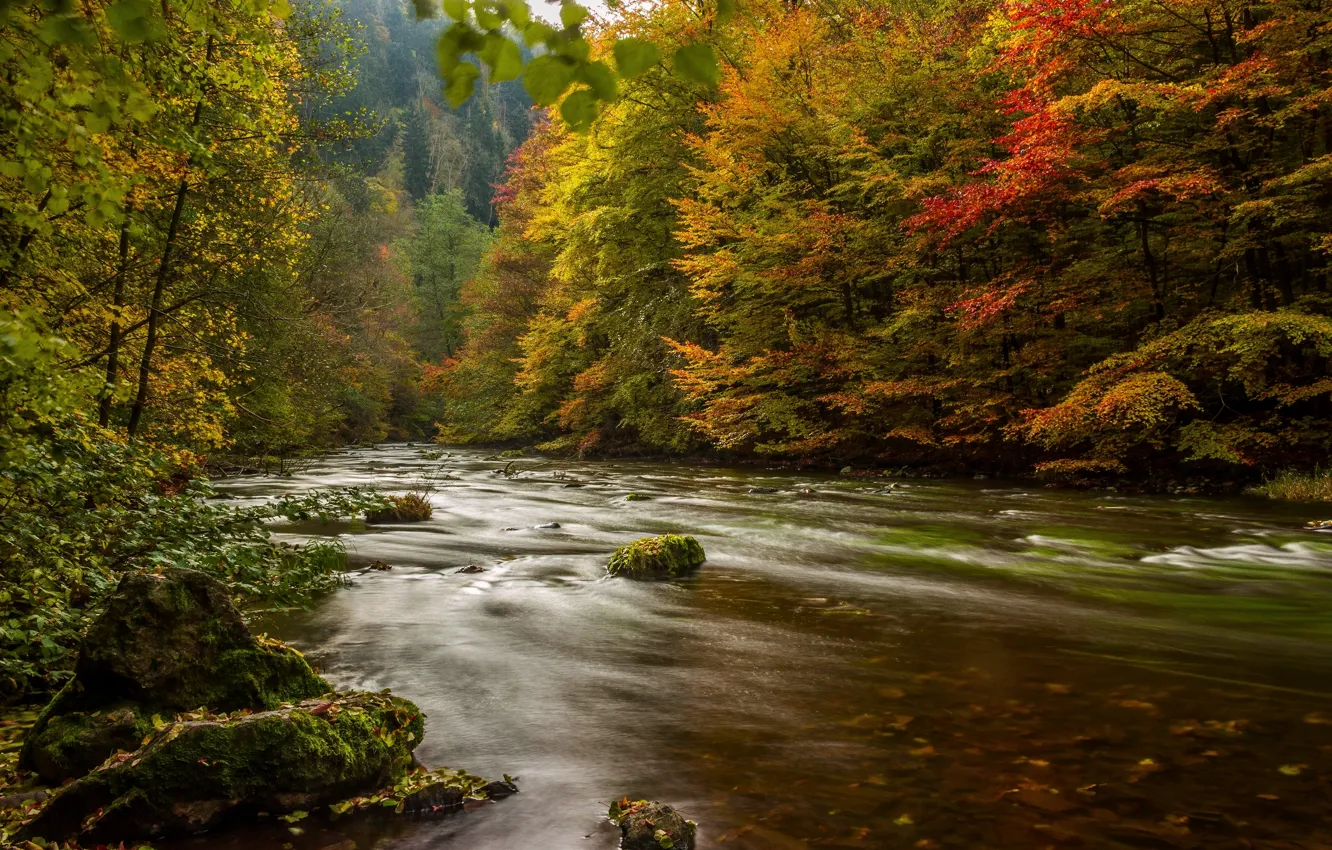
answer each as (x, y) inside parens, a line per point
(945, 664)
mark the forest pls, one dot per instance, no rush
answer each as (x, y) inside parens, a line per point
(1074, 238)
(1071, 243)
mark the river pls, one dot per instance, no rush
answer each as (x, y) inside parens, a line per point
(963, 664)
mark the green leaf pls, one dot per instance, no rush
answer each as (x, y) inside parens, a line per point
(131, 19)
(508, 62)
(579, 110)
(633, 56)
(571, 14)
(456, 9)
(67, 29)
(725, 10)
(697, 62)
(460, 83)
(546, 78)
(455, 41)
(487, 17)
(601, 79)
(537, 32)
(518, 12)
(280, 9)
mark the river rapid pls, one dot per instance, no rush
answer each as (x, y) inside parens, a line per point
(961, 664)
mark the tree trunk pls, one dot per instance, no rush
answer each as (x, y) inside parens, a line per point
(113, 345)
(163, 270)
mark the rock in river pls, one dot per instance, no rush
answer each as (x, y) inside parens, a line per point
(652, 826)
(165, 643)
(666, 557)
(178, 720)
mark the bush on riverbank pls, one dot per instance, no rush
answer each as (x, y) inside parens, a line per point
(1296, 486)
(84, 506)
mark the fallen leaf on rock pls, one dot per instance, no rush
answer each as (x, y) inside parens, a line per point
(1293, 769)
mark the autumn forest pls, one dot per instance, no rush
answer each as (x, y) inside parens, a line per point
(440, 251)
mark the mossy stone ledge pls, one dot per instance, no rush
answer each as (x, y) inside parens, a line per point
(657, 558)
(194, 775)
(165, 643)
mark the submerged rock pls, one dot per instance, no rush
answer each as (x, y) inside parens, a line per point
(379, 566)
(472, 568)
(665, 557)
(165, 643)
(652, 826)
(637, 497)
(193, 775)
(762, 491)
(549, 525)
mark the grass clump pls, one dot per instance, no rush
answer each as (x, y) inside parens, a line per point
(1294, 486)
(413, 507)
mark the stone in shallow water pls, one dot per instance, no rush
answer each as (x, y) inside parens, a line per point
(166, 642)
(652, 826)
(666, 557)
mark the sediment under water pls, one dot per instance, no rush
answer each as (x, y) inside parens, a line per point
(947, 664)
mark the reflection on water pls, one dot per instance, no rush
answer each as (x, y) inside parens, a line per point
(940, 665)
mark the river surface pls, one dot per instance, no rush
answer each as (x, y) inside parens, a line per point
(962, 664)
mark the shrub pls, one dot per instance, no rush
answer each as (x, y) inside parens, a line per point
(413, 507)
(1296, 486)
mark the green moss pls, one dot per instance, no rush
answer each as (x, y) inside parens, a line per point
(192, 773)
(165, 644)
(665, 557)
(637, 497)
(75, 743)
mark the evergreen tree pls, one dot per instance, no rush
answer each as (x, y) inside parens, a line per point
(417, 177)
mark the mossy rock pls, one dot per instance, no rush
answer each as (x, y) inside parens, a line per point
(656, 558)
(652, 826)
(637, 497)
(165, 643)
(195, 775)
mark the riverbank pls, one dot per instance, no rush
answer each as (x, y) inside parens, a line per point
(1287, 485)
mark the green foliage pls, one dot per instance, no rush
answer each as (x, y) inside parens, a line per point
(85, 506)
(440, 257)
(1296, 486)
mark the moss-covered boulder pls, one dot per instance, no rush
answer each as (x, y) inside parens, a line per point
(652, 826)
(165, 643)
(194, 775)
(655, 558)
